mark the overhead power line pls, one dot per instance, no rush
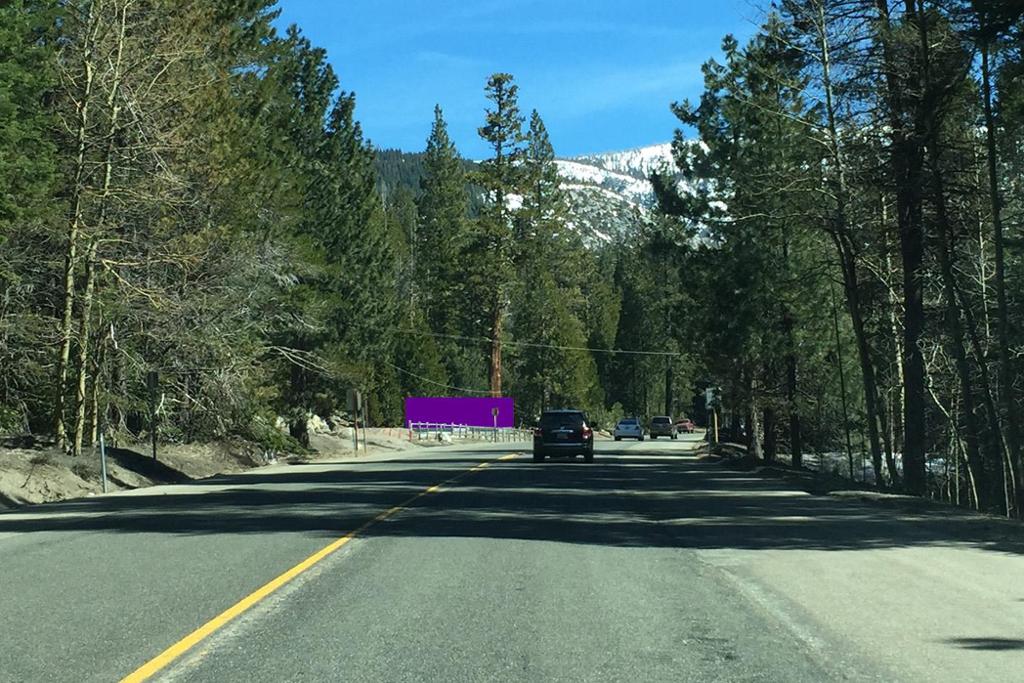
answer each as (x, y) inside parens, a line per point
(437, 384)
(488, 340)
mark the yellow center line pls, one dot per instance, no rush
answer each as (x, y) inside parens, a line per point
(175, 651)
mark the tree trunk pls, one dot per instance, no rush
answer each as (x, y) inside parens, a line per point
(1006, 373)
(96, 417)
(795, 435)
(497, 320)
(85, 321)
(792, 406)
(754, 430)
(893, 426)
(74, 224)
(995, 445)
(83, 347)
(771, 442)
(838, 228)
(669, 398)
(852, 287)
(842, 382)
(907, 161)
(954, 328)
(912, 253)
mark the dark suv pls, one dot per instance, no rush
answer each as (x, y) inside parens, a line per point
(563, 432)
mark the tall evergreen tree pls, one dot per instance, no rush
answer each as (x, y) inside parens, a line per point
(441, 252)
(501, 179)
(547, 296)
(348, 219)
(441, 233)
(28, 165)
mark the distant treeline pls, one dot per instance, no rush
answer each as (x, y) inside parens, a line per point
(398, 170)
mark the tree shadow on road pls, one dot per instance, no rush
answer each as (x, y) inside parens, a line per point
(642, 501)
(992, 644)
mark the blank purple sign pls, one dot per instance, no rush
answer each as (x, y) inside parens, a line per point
(475, 411)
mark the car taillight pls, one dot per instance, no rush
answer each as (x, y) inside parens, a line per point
(587, 433)
(538, 432)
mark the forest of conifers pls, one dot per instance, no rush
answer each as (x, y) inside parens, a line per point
(185, 190)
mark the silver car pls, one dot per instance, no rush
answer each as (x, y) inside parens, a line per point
(663, 426)
(628, 428)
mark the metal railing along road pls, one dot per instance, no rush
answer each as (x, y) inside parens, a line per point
(436, 431)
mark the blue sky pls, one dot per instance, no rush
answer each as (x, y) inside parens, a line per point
(602, 73)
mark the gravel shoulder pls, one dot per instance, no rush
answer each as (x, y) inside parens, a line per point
(43, 474)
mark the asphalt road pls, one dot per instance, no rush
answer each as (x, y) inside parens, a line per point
(646, 565)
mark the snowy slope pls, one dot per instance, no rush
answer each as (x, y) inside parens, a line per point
(610, 193)
(637, 163)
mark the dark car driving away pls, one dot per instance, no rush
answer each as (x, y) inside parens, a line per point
(563, 432)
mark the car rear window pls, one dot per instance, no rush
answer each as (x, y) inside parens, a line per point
(628, 421)
(662, 421)
(556, 420)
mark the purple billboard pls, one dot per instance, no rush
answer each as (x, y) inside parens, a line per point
(474, 412)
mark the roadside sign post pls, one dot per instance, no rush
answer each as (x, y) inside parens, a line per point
(711, 403)
(494, 415)
(362, 420)
(103, 461)
(355, 404)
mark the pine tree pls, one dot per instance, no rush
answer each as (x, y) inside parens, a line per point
(752, 119)
(547, 296)
(996, 21)
(440, 251)
(348, 220)
(493, 244)
(540, 222)
(28, 165)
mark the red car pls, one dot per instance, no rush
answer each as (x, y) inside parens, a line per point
(685, 424)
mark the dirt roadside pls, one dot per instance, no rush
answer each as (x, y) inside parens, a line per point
(41, 474)
(990, 527)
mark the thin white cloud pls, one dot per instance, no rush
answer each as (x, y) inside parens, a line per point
(594, 90)
(447, 60)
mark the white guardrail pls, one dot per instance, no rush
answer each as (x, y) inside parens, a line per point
(438, 431)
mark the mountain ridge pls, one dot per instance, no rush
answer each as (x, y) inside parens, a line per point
(609, 194)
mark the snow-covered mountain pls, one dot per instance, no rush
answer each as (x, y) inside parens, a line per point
(609, 193)
(635, 163)
(624, 174)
